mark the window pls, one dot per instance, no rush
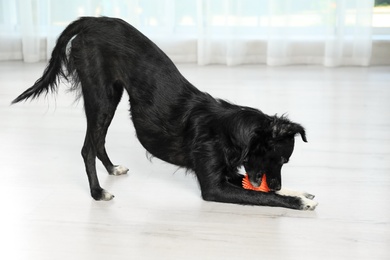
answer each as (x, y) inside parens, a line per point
(381, 19)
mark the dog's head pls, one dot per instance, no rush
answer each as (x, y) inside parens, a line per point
(269, 149)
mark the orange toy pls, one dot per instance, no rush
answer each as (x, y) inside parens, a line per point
(246, 184)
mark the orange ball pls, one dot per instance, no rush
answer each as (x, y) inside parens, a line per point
(246, 184)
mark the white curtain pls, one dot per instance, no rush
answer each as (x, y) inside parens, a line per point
(232, 32)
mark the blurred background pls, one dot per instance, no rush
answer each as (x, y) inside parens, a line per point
(231, 32)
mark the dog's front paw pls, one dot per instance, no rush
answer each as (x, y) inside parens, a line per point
(286, 192)
(308, 204)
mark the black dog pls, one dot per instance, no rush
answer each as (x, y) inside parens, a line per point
(174, 121)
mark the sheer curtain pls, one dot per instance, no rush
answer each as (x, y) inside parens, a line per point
(232, 32)
(331, 33)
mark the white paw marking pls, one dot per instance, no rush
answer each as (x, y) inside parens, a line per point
(106, 195)
(119, 170)
(286, 192)
(308, 204)
(306, 198)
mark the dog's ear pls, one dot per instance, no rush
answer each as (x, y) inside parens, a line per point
(282, 128)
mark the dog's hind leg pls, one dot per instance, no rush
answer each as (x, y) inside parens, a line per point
(101, 149)
(89, 155)
(100, 106)
(110, 108)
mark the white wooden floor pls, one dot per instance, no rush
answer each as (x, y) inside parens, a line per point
(47, 213)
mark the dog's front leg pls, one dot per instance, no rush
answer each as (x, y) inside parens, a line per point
(212, 174)
(229, 193)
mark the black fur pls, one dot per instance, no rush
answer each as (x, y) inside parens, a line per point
(174, 121)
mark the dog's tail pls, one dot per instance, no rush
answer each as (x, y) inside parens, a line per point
(50, 78)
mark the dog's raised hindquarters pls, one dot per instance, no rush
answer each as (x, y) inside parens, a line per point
(174, 121)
